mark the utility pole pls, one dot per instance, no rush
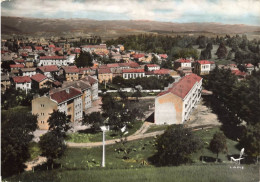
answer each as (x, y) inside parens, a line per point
(104, 143)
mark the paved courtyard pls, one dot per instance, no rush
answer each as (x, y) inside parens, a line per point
(202, 115)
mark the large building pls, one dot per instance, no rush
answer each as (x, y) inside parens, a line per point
(74, 98)
(68, 100)
(52, 60)
(174, 105)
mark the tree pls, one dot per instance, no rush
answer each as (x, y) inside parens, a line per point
(251, 140)
(84, 60)
(59, 123)
(218, 143)
(16, 133)
(222, 51)
(176, 145)
(52, 147)
(154, 60)
(146, 68)
(95, 119)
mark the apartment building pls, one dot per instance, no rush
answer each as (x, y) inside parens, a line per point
(174, 105)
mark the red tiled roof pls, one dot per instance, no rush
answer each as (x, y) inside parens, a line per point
(137, 56)
(49, 68)
(249, 65)
(152, 65)
(95, 46)
(90, 79)
(205, 62)
(38, 77)
(183, 87)
(52, 45)
(57, 83)
(57, 49)
(113, 65)
(21, 79)
(24, 54)
(183, 61)
(163, 56)
(52, 57)
(104, 71)
(133, 64)
(16, 66)
(38, 48)
(162, 71)
(63, 95)
(19, 60)
(123, 64)
(133, 71)
(238, 73)
(71, 69)
(77, 50)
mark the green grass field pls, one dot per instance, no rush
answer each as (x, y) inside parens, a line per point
(97, 137)
(154, 128)
(83, 164)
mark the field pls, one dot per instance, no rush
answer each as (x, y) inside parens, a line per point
(83, 164)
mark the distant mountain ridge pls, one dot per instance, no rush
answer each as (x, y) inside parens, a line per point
(21, 25)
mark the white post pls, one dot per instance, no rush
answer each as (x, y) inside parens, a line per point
(103, 156)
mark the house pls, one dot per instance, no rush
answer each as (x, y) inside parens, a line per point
(249, 68)
(53, 60)
(68, 100)
(104, 75)
(203, 67)
(71, 73)
(102, 48)
(16, 66)
(29, 63)
(133, 73)
(174, 105)
(48, 71)
(28, 71)
(138, 57)
(163, 56)
(22, 82)
(183, 63)
(241, 75)
(5, 82)
(152, 67)
(40, 81)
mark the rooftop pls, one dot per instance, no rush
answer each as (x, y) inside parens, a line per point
(183, 87)
(38, 77)
(21, 79)
(66, 94)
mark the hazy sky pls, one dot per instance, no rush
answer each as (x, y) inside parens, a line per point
(222, 11)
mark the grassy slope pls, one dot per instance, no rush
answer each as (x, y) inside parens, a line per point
(83, 164)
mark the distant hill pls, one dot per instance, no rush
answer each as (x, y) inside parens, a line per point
(20, 25)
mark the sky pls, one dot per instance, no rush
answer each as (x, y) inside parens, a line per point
(180, 11)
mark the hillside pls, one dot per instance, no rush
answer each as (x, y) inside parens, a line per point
(35, 26)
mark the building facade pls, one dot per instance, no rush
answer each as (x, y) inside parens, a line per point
(174, 105)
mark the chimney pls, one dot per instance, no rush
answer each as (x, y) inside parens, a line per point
(67, 90)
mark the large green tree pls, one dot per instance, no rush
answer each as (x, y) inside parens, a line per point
(95, 119)
(52, 147)
(16, 134)
(84, 59)
(222, 51)
(176, 145)
(251, 140)
(59, 123)
(218, 143)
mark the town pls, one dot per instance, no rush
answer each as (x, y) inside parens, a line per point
(73, 89)
(158, 90)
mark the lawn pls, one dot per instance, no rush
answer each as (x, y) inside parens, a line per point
(154, 128)
(83, 164)
(188, 173)
(16, 109)
(87, 137)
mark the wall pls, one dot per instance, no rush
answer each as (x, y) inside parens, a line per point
(168, 109)
(43, 107)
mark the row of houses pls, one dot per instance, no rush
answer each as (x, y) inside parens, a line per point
(73, 98)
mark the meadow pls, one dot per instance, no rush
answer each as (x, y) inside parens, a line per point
(132, 162)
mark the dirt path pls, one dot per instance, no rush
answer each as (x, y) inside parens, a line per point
(38, 161)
